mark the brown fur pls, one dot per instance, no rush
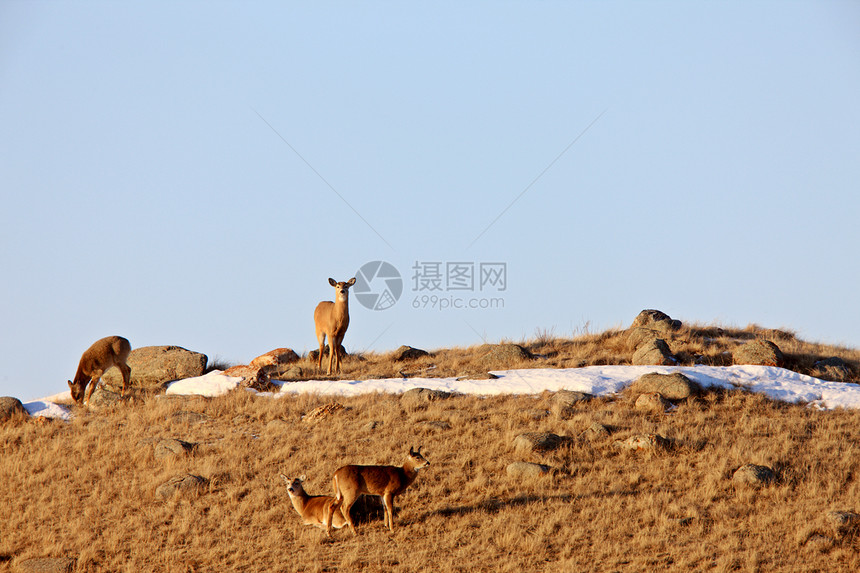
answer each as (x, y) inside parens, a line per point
(332, 319)
(96, 360)
(314, 509)
(352, 481)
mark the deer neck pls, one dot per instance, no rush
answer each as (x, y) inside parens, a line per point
(410, 471)
(298, 503)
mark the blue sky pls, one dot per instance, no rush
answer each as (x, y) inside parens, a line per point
(192, 173)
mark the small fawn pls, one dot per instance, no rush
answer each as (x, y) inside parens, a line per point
(352, 481)
(96, 360)
(314, 509)
(332, 319)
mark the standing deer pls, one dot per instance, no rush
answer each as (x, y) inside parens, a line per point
(314, 509)
(332, 319)
(351, 481)
(98, 359)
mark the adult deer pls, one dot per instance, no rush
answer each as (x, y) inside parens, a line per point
(332, 319)
(314, 509)
(97, 359)
(352, 481)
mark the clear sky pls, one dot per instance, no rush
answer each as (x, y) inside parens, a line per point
(192, 173)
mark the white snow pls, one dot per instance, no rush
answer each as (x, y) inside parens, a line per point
(47, 409)
(776, 383)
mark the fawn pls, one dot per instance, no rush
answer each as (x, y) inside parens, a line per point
(314, 509)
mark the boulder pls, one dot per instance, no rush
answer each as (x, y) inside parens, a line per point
(833, 368)
(759, 352)
(323, 412)
(276, 363)
(639, 335)
(252, 377)
(504, 355)
(423, 395)
(643, 442)
(154, 366)
(656, 320)
(539, 442)
(595, 431)
(753, 475)
(11, 408)
(409, 353)
(673, 386)
(185, 485)
(564, 402)
(652, 402)
(843, 521)
(526, 470)
(655, 352)
(173, 448)
(46, 565)
(104, 397)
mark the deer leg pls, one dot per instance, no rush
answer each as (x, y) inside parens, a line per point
(94, 381)
(344, 509)
(321, 340)
(126, 375)
(388, 502)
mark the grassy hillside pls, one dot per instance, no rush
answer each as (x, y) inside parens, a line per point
(87, 490)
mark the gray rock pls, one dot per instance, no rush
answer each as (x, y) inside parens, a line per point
(652, 402)
(643, 442)
(753, 475)
(104, 397)
(539, 442)
(564, 402)
(46, 565)
(595, 431)
(833, 368)
(843, 521)
(11, 408)
(153, 366)
(654, 352)
(503, 355)
(656, 320)
(184, 485)
(673, 386)
(276, 363)
(639, 335)
(313, 355)
(759, 352)
(477, 376)
(526, 470)
(423, 395)
(372, 425)
(409, 353)
(173, 448)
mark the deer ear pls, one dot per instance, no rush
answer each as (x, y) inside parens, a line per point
(303, 477)
(418, 451)
(332, 282)
(411, 451)
(350, 282)
(285, 478)
(70, 384)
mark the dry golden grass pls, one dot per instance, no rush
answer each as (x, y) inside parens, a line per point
(86, 489)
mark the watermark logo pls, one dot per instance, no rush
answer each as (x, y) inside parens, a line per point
(378, 285)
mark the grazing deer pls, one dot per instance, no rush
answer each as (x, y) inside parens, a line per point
(350, 482)
(332, 319)
(96, 360)
(314, 509)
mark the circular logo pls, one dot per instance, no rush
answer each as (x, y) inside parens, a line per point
(378, 285)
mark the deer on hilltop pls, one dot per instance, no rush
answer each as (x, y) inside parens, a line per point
(97, 359)
(332, 319)
(314, 509)
(352, 481)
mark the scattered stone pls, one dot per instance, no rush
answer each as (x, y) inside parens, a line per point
(477, 376)
(104, 397)
(11, 408)
(753, 475)
(323, 412)
(500, 355)
(423, 395)
(639, 335)
(526, 470)
(173, 448)
(372, 425)
(274, 362)
(564, 401)
(595, 431)
(643, 442)
(409, 353)
(652, 402)
(673, 386)
(293, 372)
(832, 368)
(184, 484)
(154, 366)
(539, 442)
(759, 352)
(252, 377)
(654, 352)
(187, 417)
(843, 521)
(656, 320)
(46, 565)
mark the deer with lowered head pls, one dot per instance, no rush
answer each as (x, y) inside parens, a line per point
(314, 509)
(332, 319)
(97, 359)
(352, 481)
